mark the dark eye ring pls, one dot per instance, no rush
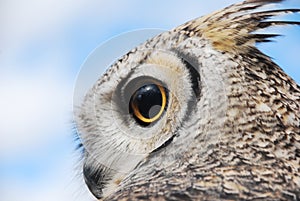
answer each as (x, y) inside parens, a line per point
(148, 103)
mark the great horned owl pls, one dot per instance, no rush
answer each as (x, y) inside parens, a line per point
(196, 113)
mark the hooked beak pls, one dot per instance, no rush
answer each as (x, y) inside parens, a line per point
(94, 180)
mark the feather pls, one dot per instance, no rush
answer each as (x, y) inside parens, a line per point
(231, 29)
(276, 23)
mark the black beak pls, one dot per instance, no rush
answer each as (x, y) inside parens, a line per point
(94, 179)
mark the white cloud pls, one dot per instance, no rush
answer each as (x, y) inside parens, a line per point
(22, 20)
(32, 107)
(63, 185)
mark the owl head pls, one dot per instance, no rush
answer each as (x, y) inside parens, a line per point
(198, 96)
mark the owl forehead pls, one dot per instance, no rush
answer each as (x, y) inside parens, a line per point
(166, 42)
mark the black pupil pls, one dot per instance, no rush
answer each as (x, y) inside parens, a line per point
(148, 100)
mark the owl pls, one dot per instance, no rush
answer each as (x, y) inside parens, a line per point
(196, 113)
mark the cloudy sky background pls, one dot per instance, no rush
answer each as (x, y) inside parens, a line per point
(42, 47)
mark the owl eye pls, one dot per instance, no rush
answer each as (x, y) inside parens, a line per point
(148, 103)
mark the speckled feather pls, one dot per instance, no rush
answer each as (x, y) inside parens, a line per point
(248, 145)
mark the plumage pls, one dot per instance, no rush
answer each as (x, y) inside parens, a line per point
(230, 129)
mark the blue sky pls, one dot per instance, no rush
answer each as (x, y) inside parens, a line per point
(43, 45)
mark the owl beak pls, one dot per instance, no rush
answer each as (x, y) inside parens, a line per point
(93, 181)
